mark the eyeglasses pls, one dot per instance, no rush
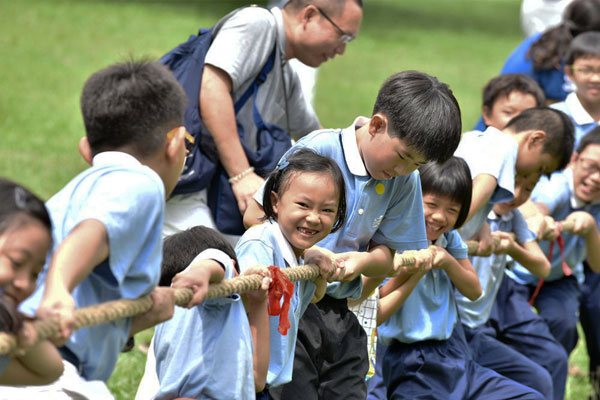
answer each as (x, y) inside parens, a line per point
(345, 37)
(189, 139)
(586, 72)
(589, 166)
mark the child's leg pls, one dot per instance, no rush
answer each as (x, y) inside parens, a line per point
(526, 332)
(491, 353)
(331, 360)
(589, 311)
(558, 305)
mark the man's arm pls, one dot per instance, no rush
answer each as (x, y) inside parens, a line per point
(218, 115)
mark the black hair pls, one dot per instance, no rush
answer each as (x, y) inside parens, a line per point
(180, 249)
(503, 85)
(549, 50)
(583, 46)
(11, 320)
(131, 105)
(592, 137)
(452, 179)
(556, 124)
(422, 112)
(304, 160)
(17, 204)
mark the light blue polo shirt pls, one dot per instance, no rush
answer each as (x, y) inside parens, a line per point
(490, 270)
(206, 352)
(582, 120)
(429, 312)
(558, 195)
(389, 212)
(129, 199)
(265, 245)
(493, 153)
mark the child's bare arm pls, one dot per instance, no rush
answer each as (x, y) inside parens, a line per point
(483, 188)
(585, 225)
(256, 303)
(483, 237)
(529, 254)
(83, 249)
(394, 293)
(197, 277)
(253, 214)
(460, 272)
(369, 285)
(39, 364)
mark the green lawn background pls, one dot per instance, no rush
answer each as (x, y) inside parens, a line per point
(49, 48)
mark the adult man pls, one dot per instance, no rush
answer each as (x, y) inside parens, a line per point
(311, 32)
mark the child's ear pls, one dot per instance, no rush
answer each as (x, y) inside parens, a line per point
(569, 72)
(175, 143)
(274, 201)
(378, 124)
(85, 150)
(574, 157)
(485, 113)
(536, 138)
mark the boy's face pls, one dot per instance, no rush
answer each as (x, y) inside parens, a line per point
(532, 162)
(523, 189)
(386, 156)
(507, 107)
(585, 74)
(586, 173)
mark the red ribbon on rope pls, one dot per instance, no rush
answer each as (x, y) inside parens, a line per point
(565, 267)
(280, 287)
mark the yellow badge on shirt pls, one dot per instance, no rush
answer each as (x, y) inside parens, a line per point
(380, 188)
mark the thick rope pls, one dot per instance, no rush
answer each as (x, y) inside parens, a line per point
(125, 308)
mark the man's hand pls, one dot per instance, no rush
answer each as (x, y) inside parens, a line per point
(245, 188)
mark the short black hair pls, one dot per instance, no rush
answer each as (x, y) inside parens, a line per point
(451, 178)
(503, 85)
(304, 160)
(585, 45)
(131, 105)
(180, 249)
(592, 137)
(423, 112)
(17, 204)
(559, 130)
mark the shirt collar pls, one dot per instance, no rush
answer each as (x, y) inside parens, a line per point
(114, 157)
(351, 154)
(442, 241)
(285, 247)
(504, 217)
(280, 31)
(578, 113)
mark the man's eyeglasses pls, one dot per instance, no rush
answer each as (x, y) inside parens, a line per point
(189, 139)
(586, 72)
(345, 37)
(589, 166)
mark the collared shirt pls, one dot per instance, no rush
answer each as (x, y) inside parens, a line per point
(558, 195)
(388, 212)
(582, 120)
(241, 47)
(265, 245)
(129, 199)
(429, 312)
(490, 270)
(206, 352)
(493, 153)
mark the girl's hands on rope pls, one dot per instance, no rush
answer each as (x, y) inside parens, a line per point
(423, 262)
(331, 265)
(61, 305)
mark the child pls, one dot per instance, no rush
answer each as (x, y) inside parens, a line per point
(206, 352)
(415, 118)
(304, 200)
(107, 220)
(427, 354)
(25, 238)
(505, 96)
(583, 69)
(531, 368)
(573, 196)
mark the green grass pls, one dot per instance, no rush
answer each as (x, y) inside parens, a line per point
(48, 49)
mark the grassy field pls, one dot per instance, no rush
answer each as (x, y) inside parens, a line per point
(48, 49)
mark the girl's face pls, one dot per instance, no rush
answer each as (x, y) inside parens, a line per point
(22, 255)
(441, 213)
(307, 209)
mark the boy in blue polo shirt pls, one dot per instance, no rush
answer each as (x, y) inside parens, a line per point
(573, 195)
(415, 119)
(107, 221)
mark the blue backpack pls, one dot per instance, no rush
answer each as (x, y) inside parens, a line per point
(202, 167)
